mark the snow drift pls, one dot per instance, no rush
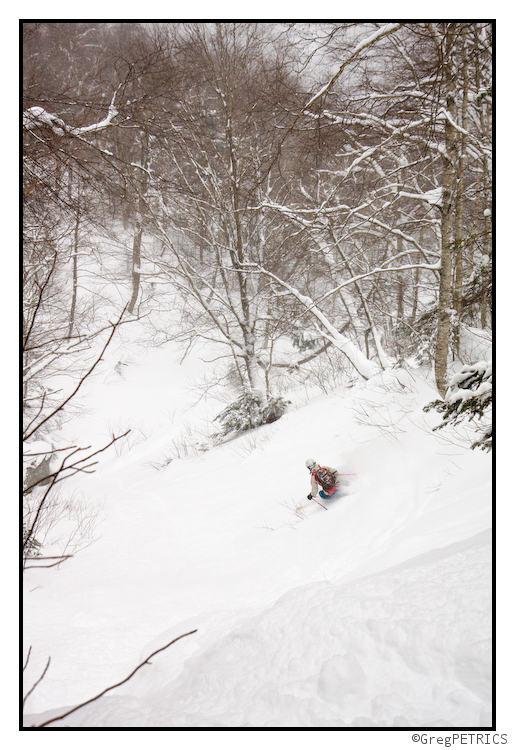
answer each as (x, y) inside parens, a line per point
(374, 614)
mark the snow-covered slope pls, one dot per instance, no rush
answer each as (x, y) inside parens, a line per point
(375, 612)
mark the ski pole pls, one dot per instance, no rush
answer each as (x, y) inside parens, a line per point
(323, 506)
(346, 475)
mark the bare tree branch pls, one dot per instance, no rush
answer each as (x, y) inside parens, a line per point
(81, 705)
(114, 327)
(37, 681)
(55, 478)
(75, 466)
(389, 28)
(59, 559)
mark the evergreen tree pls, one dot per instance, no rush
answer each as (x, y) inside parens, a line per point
(468, 397)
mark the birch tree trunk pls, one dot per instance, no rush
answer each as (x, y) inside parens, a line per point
(138, 230)
(449, 174)
(460, 197)
(75, 251)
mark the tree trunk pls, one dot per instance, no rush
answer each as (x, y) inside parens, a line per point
(461, 166)
(238, 258)
(136, 265)
(449, 160)
(138, 232)
(75, 251)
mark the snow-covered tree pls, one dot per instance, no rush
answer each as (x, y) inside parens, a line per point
(399, 146)
(213, 168)
(345, 204)
(469, 398)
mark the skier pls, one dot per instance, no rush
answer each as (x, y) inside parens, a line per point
(325, 476)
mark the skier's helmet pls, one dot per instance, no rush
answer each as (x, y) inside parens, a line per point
(311, 463)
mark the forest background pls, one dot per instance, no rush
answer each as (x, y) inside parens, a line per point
(195, 162)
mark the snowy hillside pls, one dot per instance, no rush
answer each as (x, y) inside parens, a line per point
(373, 613)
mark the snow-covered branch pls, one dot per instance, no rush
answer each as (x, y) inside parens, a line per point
(296, 214)
(389, 28)
(38, 117)
(444, 114)
(364, 366)
(375, 271)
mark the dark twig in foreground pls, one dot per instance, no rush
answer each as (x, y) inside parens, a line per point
(57, 718)
(37, 681)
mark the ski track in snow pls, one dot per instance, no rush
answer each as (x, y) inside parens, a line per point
(376, 613)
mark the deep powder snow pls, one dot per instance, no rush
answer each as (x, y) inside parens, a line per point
(375, 613)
